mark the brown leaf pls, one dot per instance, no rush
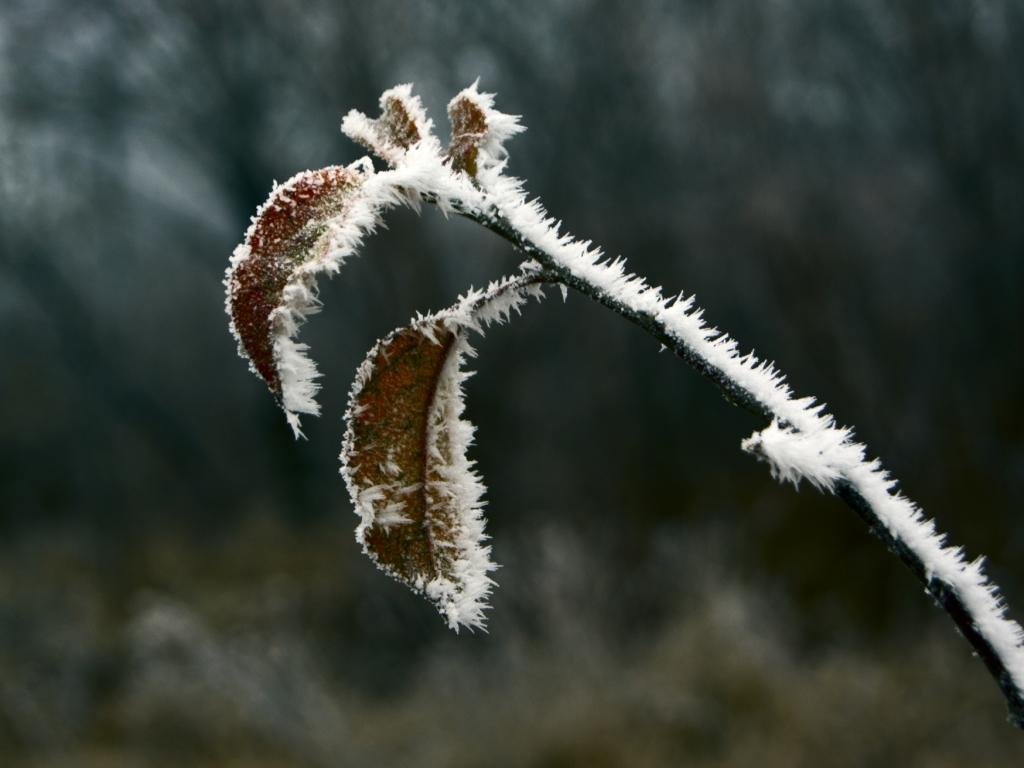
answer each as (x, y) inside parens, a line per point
(402, 458)
(284, 236)
(402, 123)
(469, 127)
(405, 454)
(479, 132)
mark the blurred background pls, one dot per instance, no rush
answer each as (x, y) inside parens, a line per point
(841, 184)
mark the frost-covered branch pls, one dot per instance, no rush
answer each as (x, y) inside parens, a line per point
(816, 451)
(404, 458)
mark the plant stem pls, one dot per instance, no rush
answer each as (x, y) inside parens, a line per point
(944, 594)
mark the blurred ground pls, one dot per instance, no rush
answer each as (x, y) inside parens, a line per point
(226, 658)
(839, 183)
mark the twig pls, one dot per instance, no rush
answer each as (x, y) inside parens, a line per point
(945, 595)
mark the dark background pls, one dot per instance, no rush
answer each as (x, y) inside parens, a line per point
(841, 184)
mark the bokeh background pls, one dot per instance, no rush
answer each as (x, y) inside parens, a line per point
(840, 182)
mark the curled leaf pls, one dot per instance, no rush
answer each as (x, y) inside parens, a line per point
(479, 131)
(307, 225)
(469, 126)
(405, 455)
(402, 123)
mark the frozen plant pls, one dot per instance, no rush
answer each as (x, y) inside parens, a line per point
(404, 458)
